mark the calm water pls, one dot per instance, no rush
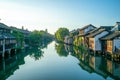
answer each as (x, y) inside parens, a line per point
(58, 62)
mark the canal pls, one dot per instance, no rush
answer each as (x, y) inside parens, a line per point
(58, 62)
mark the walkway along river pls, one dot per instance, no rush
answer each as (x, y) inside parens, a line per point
(58, 62)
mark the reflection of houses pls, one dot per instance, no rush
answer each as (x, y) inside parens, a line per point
(111, 42)
(68, 48)
(94, 39)
(114, 69)
(95, 63)
(10, 65)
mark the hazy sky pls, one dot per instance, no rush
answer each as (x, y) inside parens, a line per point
(52, 14)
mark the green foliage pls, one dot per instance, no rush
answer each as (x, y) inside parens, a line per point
(77, 41)
(19, 37)
(72, 34)
(39, 37)
(61, 50)
(35, 37)
(61, 33)
(36, 53)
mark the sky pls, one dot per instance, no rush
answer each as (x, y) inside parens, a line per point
(53, 14)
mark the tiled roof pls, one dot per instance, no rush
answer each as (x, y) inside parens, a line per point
(112, 35)
(118, 22)
(87, 26)
(89, 32)
(3, 26)
(20, 30)
(6, 36)
(96, 32)
(107, 27)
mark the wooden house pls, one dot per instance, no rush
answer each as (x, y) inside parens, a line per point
(86, 39)
(111, 42)
(68, 40)
(7, 41)
(24, 32)
(108, 28)
(94, 39)
(84, 31)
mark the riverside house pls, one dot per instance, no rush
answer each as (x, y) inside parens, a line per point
(83, 32)
(7, 41)
(111, 42)
(95, 43)
(68, 40)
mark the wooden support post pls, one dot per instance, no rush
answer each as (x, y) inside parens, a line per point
(3, 53)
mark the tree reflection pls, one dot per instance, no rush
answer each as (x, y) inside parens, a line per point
(93, 63)
(61, 50)
(36, 53)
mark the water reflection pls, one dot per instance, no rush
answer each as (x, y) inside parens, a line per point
(10, 64)
(91, 63)
(55, 67)
(36, 53)
(61, 50)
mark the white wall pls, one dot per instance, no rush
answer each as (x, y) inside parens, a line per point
(98, 45)
(116, 42)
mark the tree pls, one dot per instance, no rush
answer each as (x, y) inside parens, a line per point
(39, 37)
(61, 33)
(35, 37)
(19, 37)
